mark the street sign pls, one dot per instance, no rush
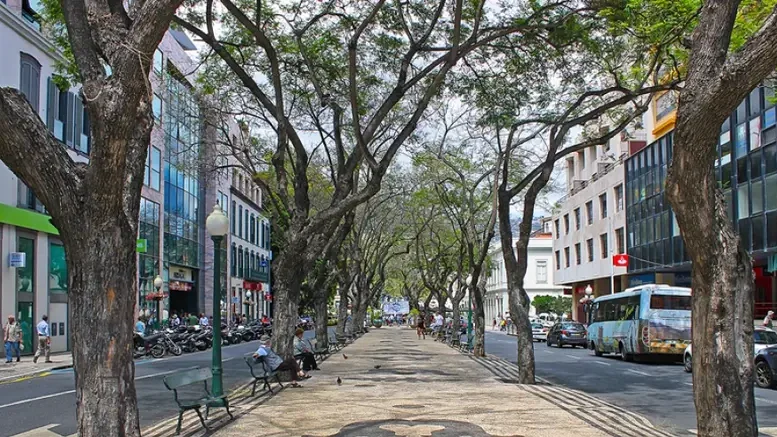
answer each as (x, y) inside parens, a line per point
(620, 260)
(264, 263)
(235, 299)
(17, 259)
(141, 245)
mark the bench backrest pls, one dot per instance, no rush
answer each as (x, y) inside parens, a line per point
(187, 377)
(258, 366)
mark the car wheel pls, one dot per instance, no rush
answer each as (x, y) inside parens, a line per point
(596, 350)
(559, 344)
(687, 363)
(547, 342)
(624, 356)
(763, 375)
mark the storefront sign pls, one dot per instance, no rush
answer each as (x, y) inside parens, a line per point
(180, 286)
(141, 245)
(620, 260)
(249, 285)
(637, 280)
(17, 259)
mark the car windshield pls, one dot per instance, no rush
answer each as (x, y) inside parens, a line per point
(765, 337)
(573, 326)
(536, 326)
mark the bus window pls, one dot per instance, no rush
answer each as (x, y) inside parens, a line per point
(669, 302)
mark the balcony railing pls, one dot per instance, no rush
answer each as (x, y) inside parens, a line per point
(258, 275)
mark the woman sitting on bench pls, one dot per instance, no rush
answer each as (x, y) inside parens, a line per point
(276, 363)
(303, 348)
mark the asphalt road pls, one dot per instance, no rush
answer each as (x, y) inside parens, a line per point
(42, 401)
(662, 392)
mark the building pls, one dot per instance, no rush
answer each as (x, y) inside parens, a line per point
(250, 249)
(590, 225)
(179, 191)
(746, 169)
(538, 280)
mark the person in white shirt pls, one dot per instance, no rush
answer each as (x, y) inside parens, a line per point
(438, 320)
(203, 320)
(44, 340)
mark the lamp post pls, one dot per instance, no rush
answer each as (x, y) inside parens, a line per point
(248, 304)
(469, 312)
(217, 225)
(588, 292)
(158, 283)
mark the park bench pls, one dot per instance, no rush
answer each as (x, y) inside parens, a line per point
(260, 371)
(194, 399)
(333, 344)
(465, 346)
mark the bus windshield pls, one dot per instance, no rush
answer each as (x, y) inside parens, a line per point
(670, 302)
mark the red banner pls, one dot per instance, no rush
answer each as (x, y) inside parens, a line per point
(620, 260)
(248, 285)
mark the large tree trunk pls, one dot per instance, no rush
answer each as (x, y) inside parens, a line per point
(288, 276)
(322, 318)
(456, 325)
(479, 317)
(342, 310)
(103, 293)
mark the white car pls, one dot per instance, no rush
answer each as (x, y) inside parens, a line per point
(539, 332)
(762, 338)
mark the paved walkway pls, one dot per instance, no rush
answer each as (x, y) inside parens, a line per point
(396, 385)
(26, 368)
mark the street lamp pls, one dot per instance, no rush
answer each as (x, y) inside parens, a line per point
(158, 283)
(248, 304)
(217, 225)
(588, 299)
(469, 313)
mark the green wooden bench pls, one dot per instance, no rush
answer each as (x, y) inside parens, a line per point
(201, 398)
(260, 371)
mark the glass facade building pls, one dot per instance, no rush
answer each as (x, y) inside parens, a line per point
(148, 262)
(746, 170)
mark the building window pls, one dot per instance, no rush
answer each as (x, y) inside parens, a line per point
(578, 254)
(566, 257)
(603, 245)
(148, 262)
(159, 61)
(603, 205)
(240, 221)
(153, 168)
(542, 272)
(57, 269)
(558, 260)
(246, 223)
(29, 83)
(234, 214)
(589, 212)
(233, 260)
(253, 229)
(558, 228)
(240, 262)
(577, 219)
(566, 224)
(619, 198)
(156, 107)
(590, 246)
(619, 240)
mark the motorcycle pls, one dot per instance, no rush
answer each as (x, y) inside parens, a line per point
(148, 345)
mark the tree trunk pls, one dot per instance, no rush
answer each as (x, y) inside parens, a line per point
(722, 281)
(342, 310)
(287, 278)
(479, 317)
(103, 292)
(456, 316)
(322, 319)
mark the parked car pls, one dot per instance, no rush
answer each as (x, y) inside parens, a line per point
(765, 367)
(563, 333)
(763, 338)
(539, 332)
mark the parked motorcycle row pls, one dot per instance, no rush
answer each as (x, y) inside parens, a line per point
(186, 339)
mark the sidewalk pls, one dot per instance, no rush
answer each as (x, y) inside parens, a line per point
(26, 368)
(395, 385)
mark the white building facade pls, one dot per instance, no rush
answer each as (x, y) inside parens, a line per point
(538, 280)
(589, 227)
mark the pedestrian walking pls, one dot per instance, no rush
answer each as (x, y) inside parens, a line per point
(420, 327)
(768, 320)
(44, 340)
(12, 338)
(493, 325)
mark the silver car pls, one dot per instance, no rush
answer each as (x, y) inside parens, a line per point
(539, 332)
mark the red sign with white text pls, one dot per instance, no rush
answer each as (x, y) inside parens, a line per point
(620, 260)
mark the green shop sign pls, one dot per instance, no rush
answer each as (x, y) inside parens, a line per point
(141, 245)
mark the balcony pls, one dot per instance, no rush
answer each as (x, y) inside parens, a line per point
(258, 275)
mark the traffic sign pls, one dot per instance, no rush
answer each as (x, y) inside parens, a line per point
(620, 260)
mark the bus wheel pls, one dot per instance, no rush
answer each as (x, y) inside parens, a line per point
(596, 350)
(625, 356)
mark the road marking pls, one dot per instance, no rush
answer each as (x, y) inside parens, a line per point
(768, 401)
(602, 363)
(637, 372)
(573, 357)
(53, 395)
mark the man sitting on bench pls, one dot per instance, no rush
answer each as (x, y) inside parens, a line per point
(276, 363)
(303, 348)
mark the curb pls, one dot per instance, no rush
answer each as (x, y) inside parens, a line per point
(33, 374)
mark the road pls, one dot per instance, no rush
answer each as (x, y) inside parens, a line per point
(662, 392)
(42, 401)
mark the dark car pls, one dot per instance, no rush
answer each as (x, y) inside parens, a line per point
(563, 333)
(765, 367)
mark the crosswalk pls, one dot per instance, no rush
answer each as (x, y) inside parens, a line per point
(610, 419)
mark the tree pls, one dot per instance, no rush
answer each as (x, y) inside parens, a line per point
(359, 75)
(95, 206)
(544, 304)
(731, 51)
